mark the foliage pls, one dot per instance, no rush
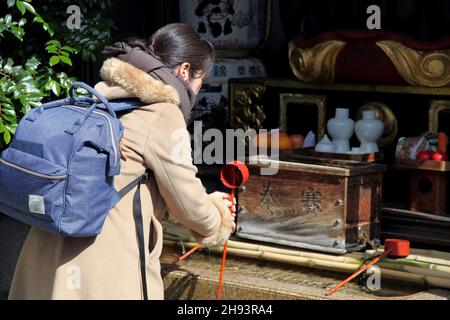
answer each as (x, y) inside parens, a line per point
(38, 52)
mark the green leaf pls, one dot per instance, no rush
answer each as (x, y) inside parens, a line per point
(29, 7)
(49, 29)
(8, 112)
(8, 19)
(69, 49)
(22, 22)
(8, 66)
(38, 19)
(23, 100)
(26, 108)
(9, 119)
(52, 49)
(11, 3)
(26, 78)
(54, 60)
(92, 56)
(11, 127)
(48, 84)
(7, 137)
(34, 104)
(66, 60)
(56, 88)
(53, 42)
(20, 5)
(18, 32)
(32, 64)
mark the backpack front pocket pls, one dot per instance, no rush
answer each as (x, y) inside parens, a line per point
(31, 185)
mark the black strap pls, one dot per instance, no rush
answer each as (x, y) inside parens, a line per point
(137, 213)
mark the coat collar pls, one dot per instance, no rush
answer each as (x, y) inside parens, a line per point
(122, 80)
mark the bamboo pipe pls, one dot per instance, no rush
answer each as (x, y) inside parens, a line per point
(427, 263)
(418, 279)
(357, 273)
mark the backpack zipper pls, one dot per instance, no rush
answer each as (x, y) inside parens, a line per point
(110, 130)
(40, 175)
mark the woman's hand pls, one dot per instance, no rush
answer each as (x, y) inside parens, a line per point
(225, 198)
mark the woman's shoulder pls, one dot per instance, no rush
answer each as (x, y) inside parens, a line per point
(157, 117)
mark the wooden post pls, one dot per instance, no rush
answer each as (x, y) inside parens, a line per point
(428, 192)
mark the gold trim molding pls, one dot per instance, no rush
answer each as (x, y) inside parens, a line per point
(318, 100)
(418, 68)
(316, 64)
(436, 107)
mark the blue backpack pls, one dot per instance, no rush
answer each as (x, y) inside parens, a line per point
(58, 172)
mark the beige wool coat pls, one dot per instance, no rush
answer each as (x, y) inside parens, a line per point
(108, 266)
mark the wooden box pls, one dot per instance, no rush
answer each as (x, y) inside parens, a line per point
(326, 205)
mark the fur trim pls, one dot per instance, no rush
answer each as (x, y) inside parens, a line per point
(139, 83)
(225, 229)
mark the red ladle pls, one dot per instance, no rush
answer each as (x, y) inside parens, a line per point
(393, 248)
(233, 175)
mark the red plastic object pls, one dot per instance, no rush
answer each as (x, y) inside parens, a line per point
(393, 248)
(424, 155)
(234, 174)
(397, 248)
(439, 156)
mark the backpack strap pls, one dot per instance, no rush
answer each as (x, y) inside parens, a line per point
(128, 104)
(137, 213)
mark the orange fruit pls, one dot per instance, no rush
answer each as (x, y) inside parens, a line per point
(262, 141)
(298, 140)
(285, 142)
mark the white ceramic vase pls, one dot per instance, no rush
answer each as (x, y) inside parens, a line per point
(341, 130)
(369, 130)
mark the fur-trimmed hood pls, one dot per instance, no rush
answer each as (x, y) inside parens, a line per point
(122, 80)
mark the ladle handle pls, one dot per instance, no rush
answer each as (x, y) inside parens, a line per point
(224, 255)
(357, 273)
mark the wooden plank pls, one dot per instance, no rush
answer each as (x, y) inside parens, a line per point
(355, 168)
(442, 166)
(295, 166)
(317, 166)
(301, 213)
(296, 84)
(416, 215)
(422, 228)
(311, 153)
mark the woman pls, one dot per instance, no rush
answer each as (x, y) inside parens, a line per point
(166, 74)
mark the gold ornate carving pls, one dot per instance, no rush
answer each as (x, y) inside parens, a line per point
(246, 107)
(436, 107)
(316, 64)
(319, 101)
(385, 114)
(418, 68)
